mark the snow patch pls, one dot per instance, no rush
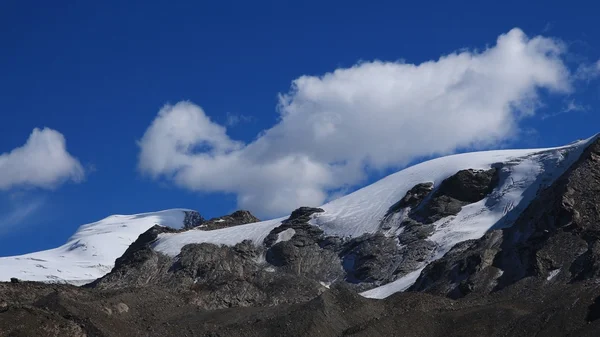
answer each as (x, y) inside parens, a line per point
(171, 243)
(552, 274)
(325, 284)
(286, 235)
(399, 285)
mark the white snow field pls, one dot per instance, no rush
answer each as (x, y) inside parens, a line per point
(91, 252)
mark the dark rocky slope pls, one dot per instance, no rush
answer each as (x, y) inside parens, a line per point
(556, 239)
(527, 308)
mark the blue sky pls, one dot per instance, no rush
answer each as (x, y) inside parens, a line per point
(98, 73)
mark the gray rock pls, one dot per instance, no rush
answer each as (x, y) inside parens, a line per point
(308, 252)
(470, 185)
(298, 221)
(192, 219)
(414, 255)
(309, 260)
(413, 197)
(302, 215)
(464, 187)
(217, 276)
(371, 258)
(414, 231)
(236, 218)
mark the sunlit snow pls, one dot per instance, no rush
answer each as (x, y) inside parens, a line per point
(90, 253)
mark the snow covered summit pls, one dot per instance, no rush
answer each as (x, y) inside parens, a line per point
(91, 252)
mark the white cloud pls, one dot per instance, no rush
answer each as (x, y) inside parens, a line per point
(18, 213)
(375, 115)
(42, 162)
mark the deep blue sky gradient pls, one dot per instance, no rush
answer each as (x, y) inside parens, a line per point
(99, 71)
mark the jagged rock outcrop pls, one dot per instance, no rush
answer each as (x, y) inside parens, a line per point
(236, 218)
(556, 239)
(463, 188)
(139, 265)
(300, 248)
(192, 219)
(216, 276)
(223, 276)
(412, 217)
(371, 258)
(298, 220)
(213, 276)
(413, 255)
(413, 197)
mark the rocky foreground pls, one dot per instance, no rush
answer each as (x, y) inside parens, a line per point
(528, 308)
(537, 276)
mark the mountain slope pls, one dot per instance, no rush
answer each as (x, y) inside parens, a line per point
(556, 239)
(521, 174)
(91, 252)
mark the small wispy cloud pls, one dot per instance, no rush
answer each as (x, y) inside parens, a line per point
(548, 27)
(588, 71)
(570, 106)
(19, 207)
(235, 119)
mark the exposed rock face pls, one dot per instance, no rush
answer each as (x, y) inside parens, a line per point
(236, 218)
(555, 239)
(192, 219)
(298, 221)
(371, 258)
(469, 185)
(413, 216)
(413, 197)
(374, 259)
(414, 231)
(413, 255)
(140, 265)
(224, 276)
(463, 188)
(213, 276)
(300, 248)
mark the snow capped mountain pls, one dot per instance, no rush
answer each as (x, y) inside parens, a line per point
(90, 253)
(522, 174)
